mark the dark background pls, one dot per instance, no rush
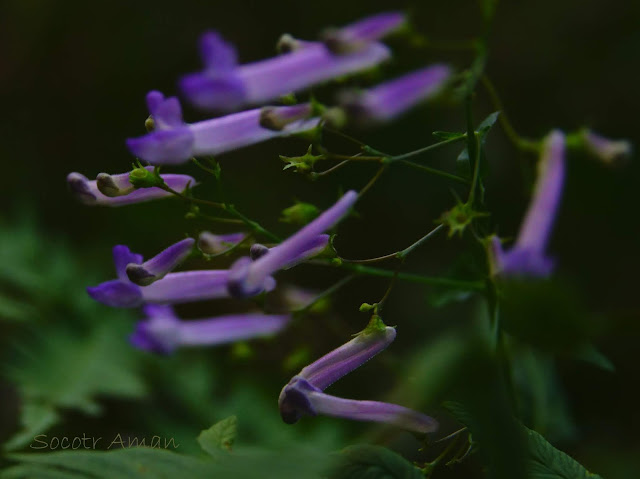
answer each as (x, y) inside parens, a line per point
(73, 76)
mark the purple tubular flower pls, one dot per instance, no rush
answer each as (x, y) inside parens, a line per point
(223, 85)
(174, 288)
(162, 332)
(394, 97)
(358, 34)
(314, 247)
(116, 190)
(527, 257)
(303, 394)
(157, 267)
(607, 150)
(209, 243)
(174, 141)
(247, 278)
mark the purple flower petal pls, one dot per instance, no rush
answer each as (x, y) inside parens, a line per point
(117, 294)
(358, 34)
(266, 80)
(88, 193)
(157, 267)
(341, 361)
(527, 257)
(187, 286)
(394, 97)
(210, 243)
(177, 142)
(605, 149)
(163, 332)
(122, 256)
(299, 398)
(247, 278)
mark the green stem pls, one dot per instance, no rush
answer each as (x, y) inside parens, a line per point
(252, 224)
(413, 278)
(435, 146)
(327, 292)
(435, 171)
(405, 252)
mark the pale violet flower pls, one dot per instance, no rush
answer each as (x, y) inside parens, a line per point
(392, 98)
(117, 190)
(173, 141)
(304, 396)
(163, 332)
(528, 257)
(225, 85)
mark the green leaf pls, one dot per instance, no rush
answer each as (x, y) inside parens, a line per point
(220, 436)
(547, 462)
(463, 165)
(373, 462)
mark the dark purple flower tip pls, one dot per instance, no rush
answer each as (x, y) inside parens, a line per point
(257, 251)
(79, 187)
(294, 401)
(223, 91)
(161, 264)
(355, 36)
(163, 146)
(117, 294)
(123, 256)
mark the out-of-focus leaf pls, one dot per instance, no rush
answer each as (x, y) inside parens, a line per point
(464, 267)
(548, 314)
(591, 355)
(148, 463)
(373, 462)
(220, 436)
(540, 398)
(79, 369)
(547, 462)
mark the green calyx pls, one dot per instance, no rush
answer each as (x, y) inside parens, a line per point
(302, 164)
(143, 178)
(300, 213)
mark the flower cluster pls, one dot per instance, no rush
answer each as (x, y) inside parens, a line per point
(225, 87)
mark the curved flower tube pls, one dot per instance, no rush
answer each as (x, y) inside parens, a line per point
(157, 267)
(174, 288)
(117, 190)
(224, 85)
(247, 278)
(527, 257)
(303, 394)
(162, 331)
(210, 243)
(609, 151)
(389, 100)
(358, 34)
(173, 141)
(314, 248)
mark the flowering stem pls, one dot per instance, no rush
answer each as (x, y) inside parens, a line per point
(414, 278)
(435, 146)
(252, 224)
(401, 254)
(327, 292)
(476, 168)
(373, 180)
(435, 171)
(518, 141)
